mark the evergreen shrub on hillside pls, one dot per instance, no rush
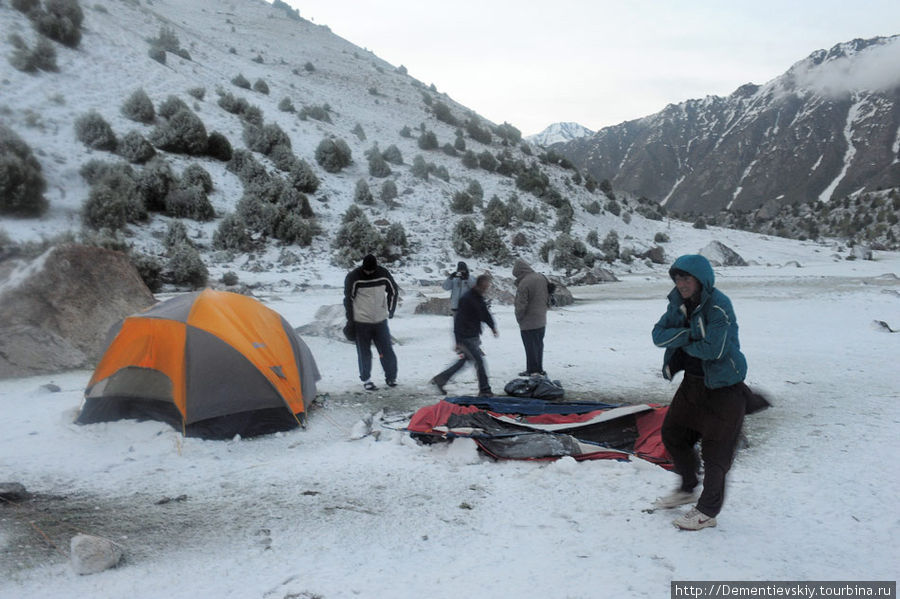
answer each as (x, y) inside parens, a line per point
(261, 86)
(139, 107)
(661, 237)
(388, 192)
(362, 194)
(333, 154)
(318, 113)
(41, 57)
(154, 182)
(285, 105)
(22, 183)
(157, 54)
(392, 155)
(218, 147)
(496, 213)
(135, 148)
(487, 161)
(187, 266)
(194, 174)
(183, 133)
(428, 141)
(149, 268)
(104, 209)
(293, 228)
(189, 201)
(419, 167)
(171, 105)
(93, 131)
(264, 139)
(355, 238)
(303, 178)
(359, 132)
(176, 233)
(59, 20)
(232, 234)
(241, 81)
(378, 166)
(442, 113)
(197, 92)
(462, 203)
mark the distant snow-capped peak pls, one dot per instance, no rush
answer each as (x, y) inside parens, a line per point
(559, 132)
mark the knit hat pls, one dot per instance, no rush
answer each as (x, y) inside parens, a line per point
(462, 266)
(369, 262)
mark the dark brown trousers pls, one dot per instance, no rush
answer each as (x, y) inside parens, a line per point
(714, 417)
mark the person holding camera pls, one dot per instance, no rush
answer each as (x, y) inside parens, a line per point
(458, 283)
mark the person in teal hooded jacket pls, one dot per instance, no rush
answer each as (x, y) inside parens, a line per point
(699, 332)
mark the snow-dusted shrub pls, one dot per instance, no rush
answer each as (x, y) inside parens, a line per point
(465, 237)
(232, 234)
(154, 182)
(149, 268)
(261, 86)
(218, 147)
(135, 149)
(362, 194)
(157, 54)
(176, 233)
(487, 161)
(59, 20)
(449, 150)
(442, 113)
(104, 209)
(570, 254)
(120, 180)
(189, 201)
(419, 167)
(167, 41)
(508, 133)
(388, 192)
(700, 223)
(610, 246)
(355, 238)
(229, 278)
(183, 133)
(496, 213)
(259, 214)
(470, 159)
(477, 132)
(285, 105)
(231, 103)
(462, 203)
(194, 174)
(293, 228)
(41, 57)
(187, 266)
(333, 154)
(247, 168)
(241, 81)
(359, 132)
(378, 166)
(171, 105)
(428, 141)
(308, 67)
(25, 6)
(319, 113)
(263, 139)
(593, 207)
(22, 183)
(395, 241)
(593, 239)
(405, 131)
(197, 92)
(139, 107)
(491, 246)
(565, 215)
(392, 155)
(661, 237)
(303, 178)
(459, 144)
(93, 131)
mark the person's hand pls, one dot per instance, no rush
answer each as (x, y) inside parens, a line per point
(496, 333)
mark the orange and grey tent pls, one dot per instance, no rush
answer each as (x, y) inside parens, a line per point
(213, 364)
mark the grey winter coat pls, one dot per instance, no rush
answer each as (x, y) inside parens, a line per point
(532, 297)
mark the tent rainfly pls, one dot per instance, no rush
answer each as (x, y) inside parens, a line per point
(213, 364)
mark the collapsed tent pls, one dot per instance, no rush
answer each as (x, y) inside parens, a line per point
(213, 364)
(517, 428)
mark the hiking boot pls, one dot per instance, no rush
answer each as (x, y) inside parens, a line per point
(674, 499)
(487, 393)
(391, 383)
(369, 386)
(439, 385)
(524, 373)
(694, 520)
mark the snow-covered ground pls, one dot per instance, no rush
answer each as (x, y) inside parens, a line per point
(315, 513)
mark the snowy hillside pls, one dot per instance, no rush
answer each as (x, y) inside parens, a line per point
(318, 86)
(559, 133)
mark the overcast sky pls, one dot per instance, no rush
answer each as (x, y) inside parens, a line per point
(595, 62)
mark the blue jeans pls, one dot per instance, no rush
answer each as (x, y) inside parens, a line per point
(366, 334)
(471, 350)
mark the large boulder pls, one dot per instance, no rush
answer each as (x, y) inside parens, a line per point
(720, 254)
(57, 309)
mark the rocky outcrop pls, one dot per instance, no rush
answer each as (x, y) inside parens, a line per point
(56, 310)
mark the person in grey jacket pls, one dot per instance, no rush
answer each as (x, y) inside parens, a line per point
(532, 300)
(458, 283)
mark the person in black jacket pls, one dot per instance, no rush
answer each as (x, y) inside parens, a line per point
(471, 313)
(370, 298)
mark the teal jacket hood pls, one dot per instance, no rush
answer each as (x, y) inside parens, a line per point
(698, 267)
